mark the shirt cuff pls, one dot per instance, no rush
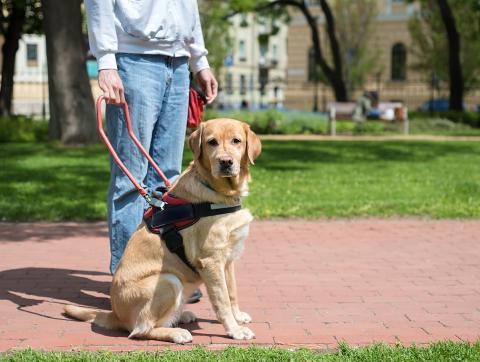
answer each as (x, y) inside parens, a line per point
(198, 64)
(107, 61)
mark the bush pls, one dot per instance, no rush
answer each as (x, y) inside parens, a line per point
(370, 127)
(297, 122)
(272, 121)
(469, 118)
(441, 126)
(22, 129)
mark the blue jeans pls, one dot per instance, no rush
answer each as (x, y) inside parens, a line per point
(156, 90)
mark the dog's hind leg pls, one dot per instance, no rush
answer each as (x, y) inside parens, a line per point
(176, 335)
(155, 318)
(187, 317)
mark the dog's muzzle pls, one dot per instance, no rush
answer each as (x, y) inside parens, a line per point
(226, 167)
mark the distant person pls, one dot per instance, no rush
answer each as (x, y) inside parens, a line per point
(362, 108)
(244, 104)
(144, 50)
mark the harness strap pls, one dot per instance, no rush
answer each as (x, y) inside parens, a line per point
(174, 242)
(185, 212)
(168, 221)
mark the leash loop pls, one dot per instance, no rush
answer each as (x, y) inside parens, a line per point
(134, 138)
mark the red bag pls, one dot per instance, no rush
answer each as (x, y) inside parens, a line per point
(196, 102)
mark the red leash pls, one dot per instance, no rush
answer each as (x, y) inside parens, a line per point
(118, 161)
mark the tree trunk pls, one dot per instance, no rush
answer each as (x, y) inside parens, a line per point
(9, 51)
(72, 112)
(454, 65)
(338, 83)
(334, 75)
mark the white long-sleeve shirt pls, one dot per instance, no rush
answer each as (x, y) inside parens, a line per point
(168, 27)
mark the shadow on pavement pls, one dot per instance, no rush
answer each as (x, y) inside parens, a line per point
(31, 287)
(28, 287)
(41, 232)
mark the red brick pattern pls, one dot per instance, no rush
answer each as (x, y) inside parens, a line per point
(308, 283)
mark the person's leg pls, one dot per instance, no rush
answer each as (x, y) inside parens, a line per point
(144, 79)
(169, 133)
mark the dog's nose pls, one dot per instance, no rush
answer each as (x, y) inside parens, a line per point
(226, 161)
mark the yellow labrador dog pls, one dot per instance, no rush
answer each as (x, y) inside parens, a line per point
(151, 283)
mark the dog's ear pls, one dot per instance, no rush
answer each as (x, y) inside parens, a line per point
(254, 147)
(195, 142)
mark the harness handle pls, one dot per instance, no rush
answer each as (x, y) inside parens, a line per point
(117, 159)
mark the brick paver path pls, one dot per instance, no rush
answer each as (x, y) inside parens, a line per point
(304, 283)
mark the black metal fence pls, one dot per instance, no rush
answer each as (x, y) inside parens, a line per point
(31, 97)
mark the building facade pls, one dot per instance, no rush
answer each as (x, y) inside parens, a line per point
(254, 72)
(30, 91)
(394, 81)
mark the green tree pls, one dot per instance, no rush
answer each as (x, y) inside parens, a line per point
(354, 30)
(330, 63)
(16, 18)
(452, 56)
(215, 27)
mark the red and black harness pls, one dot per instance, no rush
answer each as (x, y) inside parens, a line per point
(167, 214)
(174, 214)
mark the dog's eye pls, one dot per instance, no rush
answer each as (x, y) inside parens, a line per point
(212, 142)
(236, 141)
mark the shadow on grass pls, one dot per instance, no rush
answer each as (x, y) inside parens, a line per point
(64, 183)
(300, 155)
(48, 182)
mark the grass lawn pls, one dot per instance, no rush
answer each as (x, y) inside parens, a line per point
(309, 179)
(442, 351)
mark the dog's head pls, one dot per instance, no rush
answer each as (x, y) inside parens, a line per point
(225, 147)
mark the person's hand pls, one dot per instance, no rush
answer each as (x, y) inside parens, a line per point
(111, 85)
(207, 81)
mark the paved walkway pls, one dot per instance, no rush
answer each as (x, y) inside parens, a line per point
(304, 283)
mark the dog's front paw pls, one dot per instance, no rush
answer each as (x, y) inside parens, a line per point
(181, 336)
(241, 333)
(187, 317)
(242, 317)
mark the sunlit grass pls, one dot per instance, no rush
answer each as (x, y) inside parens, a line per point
(306, 179)
(441, 351)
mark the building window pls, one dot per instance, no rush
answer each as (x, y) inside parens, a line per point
(263, 50)
(241, 51)
(251, 85)
(243, 20)
(32, 55)
(243, 84)
(274, 54)
(399, 62)
(312, 66)
(228, 84)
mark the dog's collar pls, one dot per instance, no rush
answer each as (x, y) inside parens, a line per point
(207, 185)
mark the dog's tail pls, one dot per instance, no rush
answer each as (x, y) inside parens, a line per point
(102, 319)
